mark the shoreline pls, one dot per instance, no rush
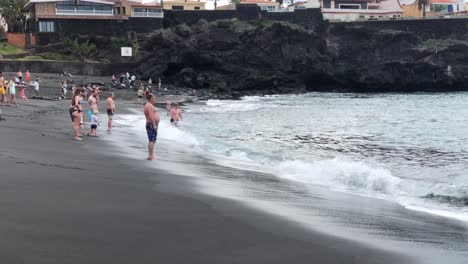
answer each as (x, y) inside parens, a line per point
(212, 183)
(101, 211)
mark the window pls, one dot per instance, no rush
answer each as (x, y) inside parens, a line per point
(46, 26)
(177, 7)
(197, 8)
(327, 4)
(349, 6)
(83, 7)
(268, 8)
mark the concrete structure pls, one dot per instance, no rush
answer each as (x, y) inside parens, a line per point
(351, 10)
(306, 4)
(184, 5)
(265, 5)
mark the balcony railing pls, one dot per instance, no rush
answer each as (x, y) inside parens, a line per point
(148, 14)
(93, 12)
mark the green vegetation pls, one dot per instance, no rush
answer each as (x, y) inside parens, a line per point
(118, 42)
(86, 51)
(439, 44)
(13, 13)
(8, 49)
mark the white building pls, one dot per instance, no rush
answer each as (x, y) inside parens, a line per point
(351, 10)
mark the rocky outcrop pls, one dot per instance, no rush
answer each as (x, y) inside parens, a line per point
(230, 58)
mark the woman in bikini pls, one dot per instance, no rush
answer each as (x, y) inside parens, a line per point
(76, 112)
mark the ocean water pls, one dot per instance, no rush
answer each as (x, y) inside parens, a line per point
(407, 148)
(404, 149)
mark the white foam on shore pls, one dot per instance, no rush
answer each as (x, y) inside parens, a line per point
(337, 174)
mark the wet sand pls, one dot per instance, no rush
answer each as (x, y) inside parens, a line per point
(63, 201)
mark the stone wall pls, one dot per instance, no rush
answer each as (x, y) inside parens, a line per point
(98, 27)
(20, 40)
(425, 28)
(309, 18)
(172, 18)
(75, 68)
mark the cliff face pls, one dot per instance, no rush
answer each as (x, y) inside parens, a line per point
(231, 58)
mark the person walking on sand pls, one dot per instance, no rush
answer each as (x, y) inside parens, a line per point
(140, 94)
(168, 106)
(152, 122)
(36, 86)
(2, 88)
(147, 92)
(150, 82)
(64, 89)
(19, 74)
(76, 112)
(12, 90)
(110, 110)
(176, 115)
(28, 77)
(23, 95)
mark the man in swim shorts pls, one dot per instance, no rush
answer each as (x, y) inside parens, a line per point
(152, 122)
(110, 110)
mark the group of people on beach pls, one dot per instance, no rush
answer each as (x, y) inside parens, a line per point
(77, 111)
(8, 88)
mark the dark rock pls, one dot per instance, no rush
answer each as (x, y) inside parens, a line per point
(232, 58)
(182, 30)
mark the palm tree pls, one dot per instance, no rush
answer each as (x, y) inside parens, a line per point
(422, 5)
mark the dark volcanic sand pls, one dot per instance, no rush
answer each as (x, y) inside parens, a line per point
(62, 201)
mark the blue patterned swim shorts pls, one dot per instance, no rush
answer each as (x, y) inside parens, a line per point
(152, 134)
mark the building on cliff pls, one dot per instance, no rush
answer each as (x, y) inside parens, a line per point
(436, 8)
(351, 10)
(42, 14)
(49, 20)
(184, 5)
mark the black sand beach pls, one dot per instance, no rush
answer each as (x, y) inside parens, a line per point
(65, 202)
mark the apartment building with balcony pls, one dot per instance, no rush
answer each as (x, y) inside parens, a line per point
(50, 20)
(44, 14)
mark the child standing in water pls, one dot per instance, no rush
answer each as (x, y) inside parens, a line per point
(94, 123)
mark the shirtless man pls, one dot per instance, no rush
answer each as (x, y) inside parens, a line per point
(110, 110)
(176, 115)
(152, 121)
(93, 102)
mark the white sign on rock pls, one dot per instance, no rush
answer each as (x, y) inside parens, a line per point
(126, 51)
